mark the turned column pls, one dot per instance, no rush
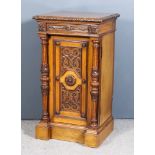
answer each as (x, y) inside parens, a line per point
(44, 77)
(95, 83)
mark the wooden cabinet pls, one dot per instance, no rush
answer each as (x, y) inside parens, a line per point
(76, 76)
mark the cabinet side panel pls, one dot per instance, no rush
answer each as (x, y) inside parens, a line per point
(107, 72)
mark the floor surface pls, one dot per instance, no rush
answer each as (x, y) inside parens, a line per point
(119, 142)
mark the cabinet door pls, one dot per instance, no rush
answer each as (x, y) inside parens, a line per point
(71, 80)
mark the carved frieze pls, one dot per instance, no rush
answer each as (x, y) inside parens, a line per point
(91, 29)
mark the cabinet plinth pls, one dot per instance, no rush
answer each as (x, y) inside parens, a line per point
(76, 76)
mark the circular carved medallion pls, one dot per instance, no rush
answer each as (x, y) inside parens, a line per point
(70, 80)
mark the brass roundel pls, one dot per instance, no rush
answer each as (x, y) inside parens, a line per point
(70, 80)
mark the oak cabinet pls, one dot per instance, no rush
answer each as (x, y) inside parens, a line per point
(76, 76)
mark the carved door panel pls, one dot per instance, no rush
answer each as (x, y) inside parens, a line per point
(71, 80)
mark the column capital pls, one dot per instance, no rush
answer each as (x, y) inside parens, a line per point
(44, 38)
(96, 43)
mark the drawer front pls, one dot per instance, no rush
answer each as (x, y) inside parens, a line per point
(71, 28)
(71, 80)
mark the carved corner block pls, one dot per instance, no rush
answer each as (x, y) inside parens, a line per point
(92, 29)
(42, 27)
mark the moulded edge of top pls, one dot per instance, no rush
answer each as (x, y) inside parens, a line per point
(79, 19)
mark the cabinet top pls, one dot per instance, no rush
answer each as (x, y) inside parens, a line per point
(76, 16)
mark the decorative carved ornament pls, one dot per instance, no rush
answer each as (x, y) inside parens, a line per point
(70, 80)
(70, 100)
(44, 89)
(44, 69)
(71, 59)
(44, 79)
(95, 85)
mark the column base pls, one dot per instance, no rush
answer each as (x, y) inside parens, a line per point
(42, 131)
(93, 138)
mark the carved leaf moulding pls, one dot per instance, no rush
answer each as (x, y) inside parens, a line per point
(91, 29)
(68, 27)
(74, 28)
